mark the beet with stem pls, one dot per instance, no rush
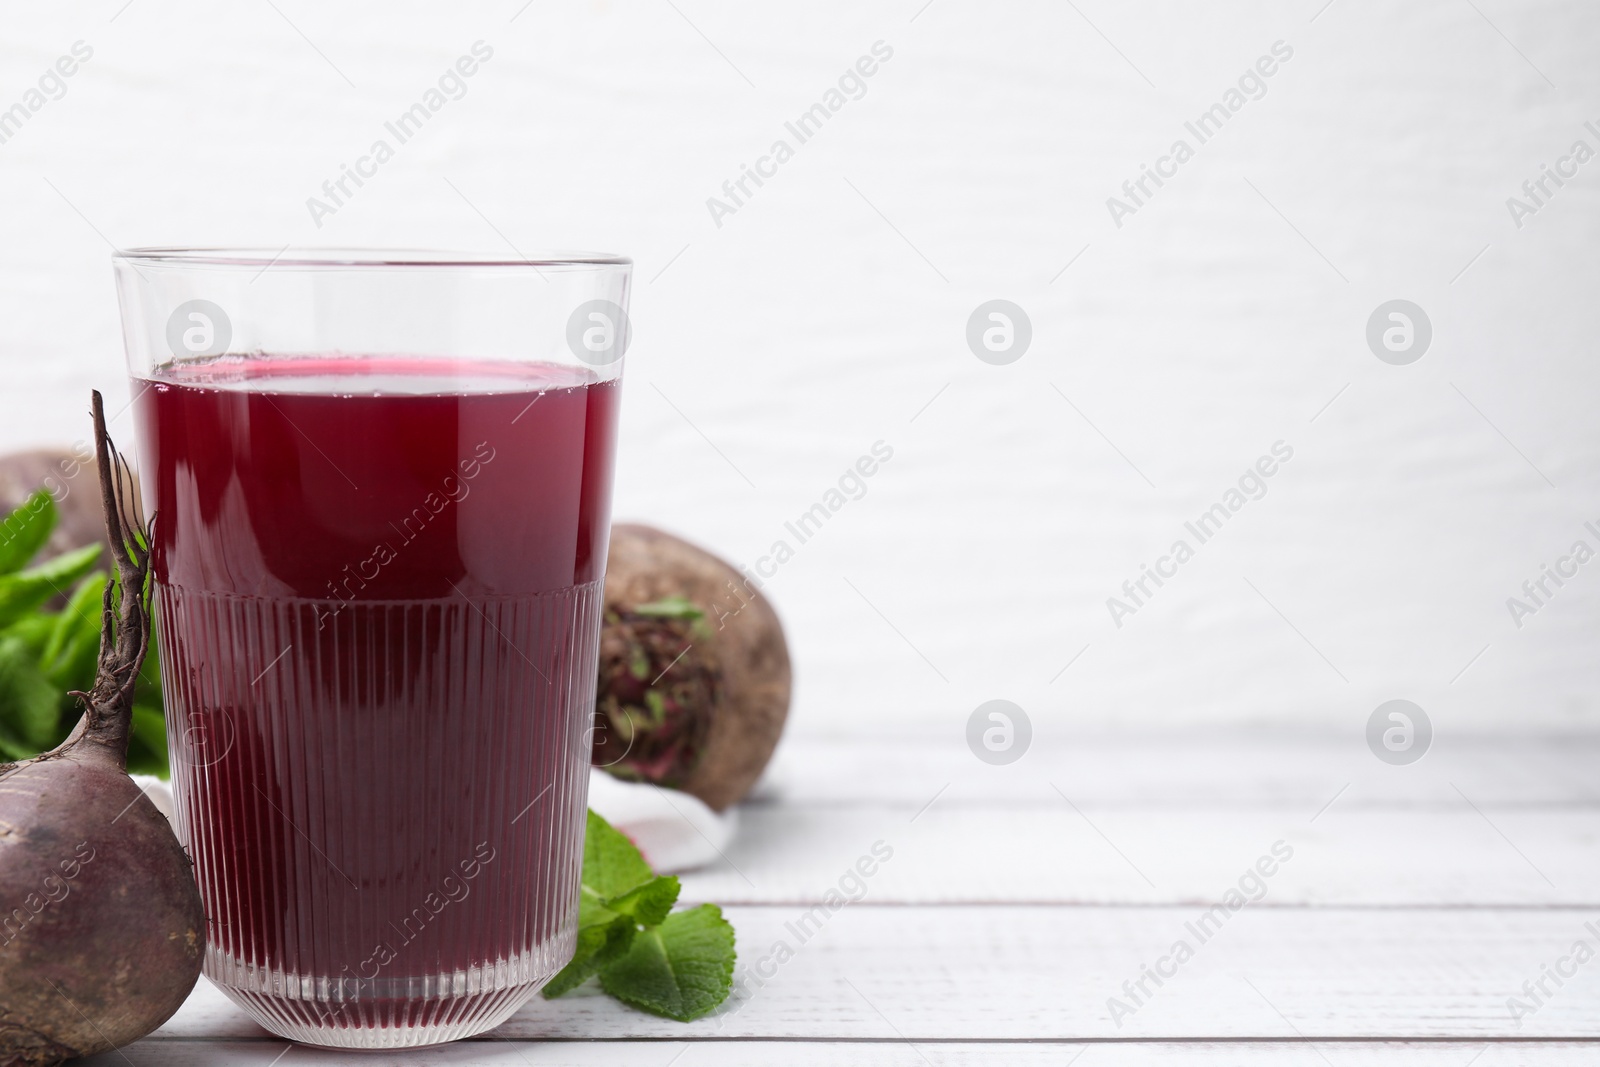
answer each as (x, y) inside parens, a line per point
(694, 670)
(101, 927)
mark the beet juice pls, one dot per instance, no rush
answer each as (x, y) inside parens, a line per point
(378, 594)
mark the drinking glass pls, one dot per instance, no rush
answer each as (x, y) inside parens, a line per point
(380, 484)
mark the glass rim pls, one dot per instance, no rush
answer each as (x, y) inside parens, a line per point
(317, 258)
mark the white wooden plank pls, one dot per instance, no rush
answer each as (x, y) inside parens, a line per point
(1052, 851)
(1046, 973)
(1221, 767)
(1192, 821)
(668, 1053)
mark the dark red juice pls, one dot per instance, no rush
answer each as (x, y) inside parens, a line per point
(378, 594)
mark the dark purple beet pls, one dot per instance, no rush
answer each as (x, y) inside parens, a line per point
(694, 669)
(102, 933)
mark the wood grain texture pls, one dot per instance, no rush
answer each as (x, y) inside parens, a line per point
(1028, 974)
(1183, 768)
(1007, 918)
(491, 1052)
(1487, 821)
(1051, 852)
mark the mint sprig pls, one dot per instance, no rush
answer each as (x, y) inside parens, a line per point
(675, 964)
(681, 969)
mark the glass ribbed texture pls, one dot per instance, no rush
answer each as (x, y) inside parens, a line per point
(384, 802)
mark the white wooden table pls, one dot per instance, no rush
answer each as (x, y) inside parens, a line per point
(1019, 899)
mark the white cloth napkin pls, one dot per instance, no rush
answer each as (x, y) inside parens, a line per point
(675, 831)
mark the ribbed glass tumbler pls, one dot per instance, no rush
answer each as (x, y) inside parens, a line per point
(380, 485)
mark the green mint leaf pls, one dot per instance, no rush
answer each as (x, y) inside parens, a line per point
(26, 591)
(25, 530)
(682, 969)
(647, 904)
(598, 945)
(677, 965)
(611, 863)
(672, 607)
(29, 704)
(603, 935)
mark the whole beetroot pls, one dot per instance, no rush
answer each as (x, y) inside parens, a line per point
(694, 670)
(102, 933)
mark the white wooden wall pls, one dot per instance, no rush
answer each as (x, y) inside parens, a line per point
(829, 311)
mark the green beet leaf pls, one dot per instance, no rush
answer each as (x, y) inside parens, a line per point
(44, 656)
(70, 657)
(12, 747)
(25, 530)
(681, 969)
(26, 591)
(147, 744)
(34, 631)
(30, 706)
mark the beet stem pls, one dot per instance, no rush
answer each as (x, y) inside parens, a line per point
(125, 626)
